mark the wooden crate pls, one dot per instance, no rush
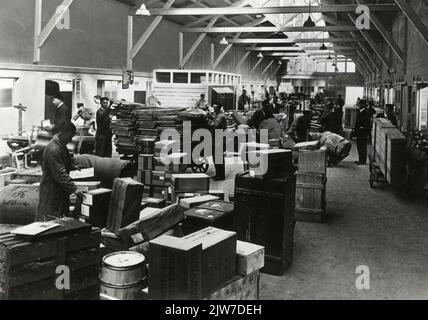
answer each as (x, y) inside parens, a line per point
(313, 161)
(239, 288)
(310, 197)
(27, 269)
(396, 159)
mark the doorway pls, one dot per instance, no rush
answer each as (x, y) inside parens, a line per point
(352, 94)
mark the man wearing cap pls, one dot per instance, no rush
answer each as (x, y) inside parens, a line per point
(62, 113)
(56, 185)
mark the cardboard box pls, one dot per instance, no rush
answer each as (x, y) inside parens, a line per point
(250, 257)
(97, 197)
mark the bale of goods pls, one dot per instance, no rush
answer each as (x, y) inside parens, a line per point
(105, 169)
(123, 275)
(254, 197)
(28, 268)
(337, 146)
(18, 204)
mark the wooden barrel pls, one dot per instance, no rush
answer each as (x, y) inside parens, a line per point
(123, 275)
(337, 146)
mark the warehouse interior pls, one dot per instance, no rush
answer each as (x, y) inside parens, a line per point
(316, 189)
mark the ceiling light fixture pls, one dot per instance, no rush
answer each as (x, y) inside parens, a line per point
(224, 41)
(323, 46)
(309, 23)
(143, 11)
(280, 62)
(260, 55)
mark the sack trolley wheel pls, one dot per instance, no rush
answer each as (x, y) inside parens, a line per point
(202, 167)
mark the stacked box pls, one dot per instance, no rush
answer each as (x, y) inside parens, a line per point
(175, 271)
(272, 163)
(188, 203)
(310, 197)
(218, 214)
(313, 161)
(165, 147)
(218, 256)
(95, 207)
(28, 269)
(253, 198)
(146, 162)
(125, 203)
(250, 258)
(389, 146)
(149, 202)
(124, 129)
(189, 183)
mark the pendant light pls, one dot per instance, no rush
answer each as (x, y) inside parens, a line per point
(142, 11)
(329, 56)
(260, 55)
(323, 47)
(309, 22)
(224, 41)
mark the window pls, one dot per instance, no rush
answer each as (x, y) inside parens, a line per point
(341, 66)
(109, 88)
(163, 77)
(198, 78)
(351, 66)
(6, 92)
(181, 77)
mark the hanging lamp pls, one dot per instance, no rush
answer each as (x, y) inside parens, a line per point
(309, 23)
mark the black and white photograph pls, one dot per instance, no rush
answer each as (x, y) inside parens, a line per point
(209, 157)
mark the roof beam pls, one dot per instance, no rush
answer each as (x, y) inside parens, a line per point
(289, 41)
(414, 19)
(373, 44)
(298, 48)
(256, 65)
(224, 52)
(269, 29)
(385, 34)
(267, 67)
(366, 51)
(197, 43)
(266, 10)
(145, 36)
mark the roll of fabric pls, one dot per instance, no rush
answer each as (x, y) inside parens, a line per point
(18, 204)
(105, 169)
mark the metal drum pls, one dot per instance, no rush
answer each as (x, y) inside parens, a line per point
(123, 275)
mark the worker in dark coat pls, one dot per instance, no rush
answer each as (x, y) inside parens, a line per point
(299, 130)
(331, 120)
(103, 137)
(219, 123)
(62, 113)
(56, 185)
(362, 131)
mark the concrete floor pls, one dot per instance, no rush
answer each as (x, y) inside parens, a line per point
(372, 227)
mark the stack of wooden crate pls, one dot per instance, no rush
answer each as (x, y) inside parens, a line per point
(311, 182)
(389, 146)
(32, 269)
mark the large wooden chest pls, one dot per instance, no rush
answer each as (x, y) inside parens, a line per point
(264, 215)
(28, 269)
